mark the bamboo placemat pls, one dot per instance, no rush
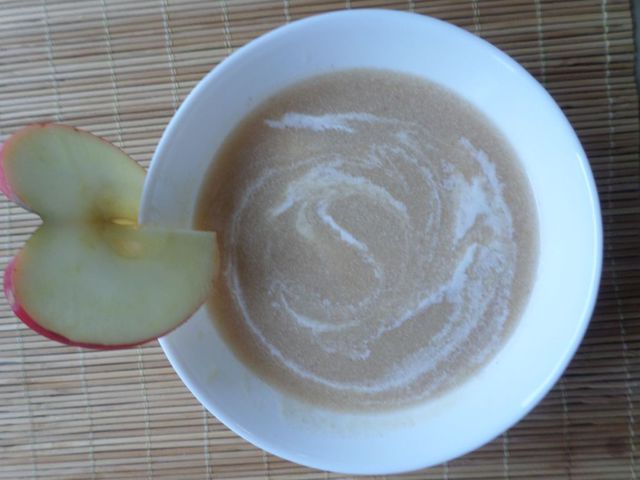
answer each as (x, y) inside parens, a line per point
(120, 69)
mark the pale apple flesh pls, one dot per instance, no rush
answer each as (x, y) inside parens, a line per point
(112, 284)
(5, 188)
(63, 174)
(90, 276)
(22, 314)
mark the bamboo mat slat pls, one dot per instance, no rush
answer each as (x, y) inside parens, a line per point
(121, 68)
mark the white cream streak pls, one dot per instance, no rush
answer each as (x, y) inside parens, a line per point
(316, 185)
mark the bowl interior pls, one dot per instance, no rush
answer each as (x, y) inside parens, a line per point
(562, 299)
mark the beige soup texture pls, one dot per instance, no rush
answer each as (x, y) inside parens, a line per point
(378, 239)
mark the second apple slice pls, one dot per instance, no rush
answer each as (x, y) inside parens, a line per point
(102, 285)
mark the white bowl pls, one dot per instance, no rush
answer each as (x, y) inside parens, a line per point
(566, 285)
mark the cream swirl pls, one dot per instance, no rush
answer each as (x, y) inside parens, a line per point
(371, 239)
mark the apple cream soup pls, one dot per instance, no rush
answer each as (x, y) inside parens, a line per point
(378, 239)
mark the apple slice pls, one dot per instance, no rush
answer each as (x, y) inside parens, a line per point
(62, 173)
(90, 276)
